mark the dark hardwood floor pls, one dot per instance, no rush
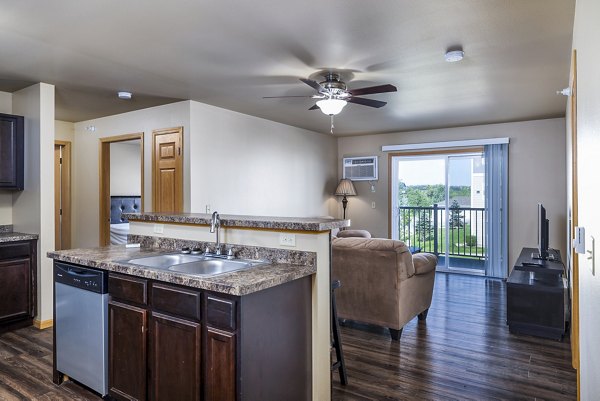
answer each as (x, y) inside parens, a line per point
(462, 352)
(26, 369)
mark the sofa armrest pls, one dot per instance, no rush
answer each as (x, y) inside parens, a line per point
(424, 262)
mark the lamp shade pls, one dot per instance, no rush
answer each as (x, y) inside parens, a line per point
(331, 107)
(345, 188)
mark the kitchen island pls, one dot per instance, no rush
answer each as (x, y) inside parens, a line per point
(259, 332)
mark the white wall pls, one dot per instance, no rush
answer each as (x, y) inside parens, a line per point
(234, 162)
(85, 161)
(536, 155)
(64, 131)
(5, 196)
(248, 165)
(585, 41)
(125, 172)
(33, 208)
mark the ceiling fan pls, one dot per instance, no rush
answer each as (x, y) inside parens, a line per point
(334, 94)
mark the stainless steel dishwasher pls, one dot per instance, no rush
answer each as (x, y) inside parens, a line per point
(81, 298)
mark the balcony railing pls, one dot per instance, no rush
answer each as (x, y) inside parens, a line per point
(428, 227)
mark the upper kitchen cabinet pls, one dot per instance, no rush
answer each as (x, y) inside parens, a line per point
(11, 151)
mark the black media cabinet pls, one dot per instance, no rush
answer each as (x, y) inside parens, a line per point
(536, 296)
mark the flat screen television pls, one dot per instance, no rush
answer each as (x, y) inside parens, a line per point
(543, 229)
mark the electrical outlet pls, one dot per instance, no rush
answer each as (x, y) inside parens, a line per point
(159, 228)
(372, 205)
(287, 239)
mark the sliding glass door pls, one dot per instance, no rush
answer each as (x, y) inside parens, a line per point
(438, 206)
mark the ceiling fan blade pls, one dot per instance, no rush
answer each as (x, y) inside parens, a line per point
(277, 97)
(315, 107)
(367, 102)
(373, 89)
(313, 84)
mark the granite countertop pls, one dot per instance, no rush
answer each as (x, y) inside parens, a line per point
(241, 282)
(265, 222)
(7, 235)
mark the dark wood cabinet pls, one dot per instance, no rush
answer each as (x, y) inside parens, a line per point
(175, 358)
(127, 350)
(18, 275)
(208, 346)
(536, 297)
(11, 151)
(220, 365)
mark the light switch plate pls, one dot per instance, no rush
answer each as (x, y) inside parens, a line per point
(159, 228)
(286, 239)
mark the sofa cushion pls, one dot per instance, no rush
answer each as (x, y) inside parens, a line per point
(424, 262)
(357, 251)
(354, 233)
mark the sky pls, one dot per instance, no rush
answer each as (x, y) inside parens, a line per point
(431, 171)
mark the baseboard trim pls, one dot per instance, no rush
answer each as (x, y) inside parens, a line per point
(43, 324)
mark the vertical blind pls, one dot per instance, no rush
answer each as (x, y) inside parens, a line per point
(496, 199)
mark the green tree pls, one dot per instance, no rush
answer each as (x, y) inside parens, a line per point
(456, 218)
(424, 228)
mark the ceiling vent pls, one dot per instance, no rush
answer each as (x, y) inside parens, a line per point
(360, 168)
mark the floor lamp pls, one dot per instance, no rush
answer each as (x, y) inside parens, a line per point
(345, 188)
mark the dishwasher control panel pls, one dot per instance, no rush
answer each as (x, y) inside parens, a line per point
(81, 277)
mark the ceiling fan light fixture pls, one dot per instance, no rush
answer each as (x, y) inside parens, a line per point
(331, 107)
(454, 55)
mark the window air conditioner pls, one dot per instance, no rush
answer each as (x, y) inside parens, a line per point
(360, 168)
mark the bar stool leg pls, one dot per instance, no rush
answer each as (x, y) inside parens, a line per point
(337, 344)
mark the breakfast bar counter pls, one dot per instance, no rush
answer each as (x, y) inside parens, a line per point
(267, 324)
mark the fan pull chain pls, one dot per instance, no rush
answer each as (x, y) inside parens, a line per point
(332, 127)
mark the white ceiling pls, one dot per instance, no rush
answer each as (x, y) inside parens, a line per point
(232, 53)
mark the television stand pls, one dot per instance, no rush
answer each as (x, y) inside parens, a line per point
(536, 296)
(537, 256)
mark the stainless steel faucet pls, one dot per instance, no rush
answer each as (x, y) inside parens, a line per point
(215, 224)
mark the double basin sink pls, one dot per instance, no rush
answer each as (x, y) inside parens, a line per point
(197, 265)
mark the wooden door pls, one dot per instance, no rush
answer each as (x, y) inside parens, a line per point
(127, 328)
(175, 359)
(15, 289)
(167, 170)
(220, 366)
(62, 195)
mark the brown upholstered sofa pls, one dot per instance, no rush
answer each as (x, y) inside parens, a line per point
(382, 283)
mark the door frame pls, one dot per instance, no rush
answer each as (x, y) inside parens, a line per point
(104, 181)
(65, 191)
(575, 355)
(430, 152)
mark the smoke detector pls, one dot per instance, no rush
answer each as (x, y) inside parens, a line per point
(453, 56)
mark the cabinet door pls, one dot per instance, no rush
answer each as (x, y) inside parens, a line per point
(127, 351)
(11, 151)
(175, 358)
(15, 287)
(220, 365)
